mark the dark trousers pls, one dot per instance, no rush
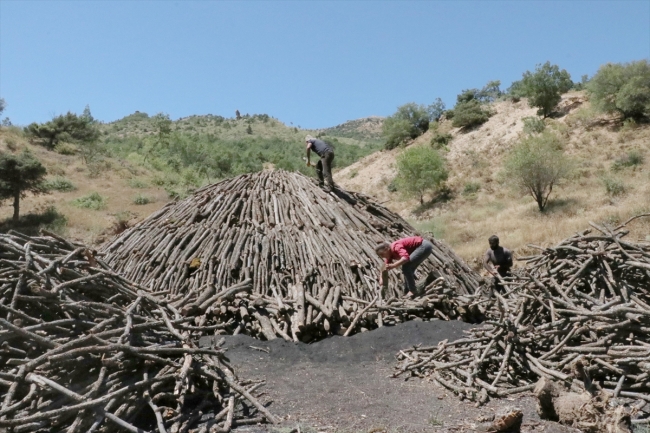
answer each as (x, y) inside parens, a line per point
(415, 259)
(324, 167)
(496, 284)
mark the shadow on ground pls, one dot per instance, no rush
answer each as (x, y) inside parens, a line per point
(31, 223)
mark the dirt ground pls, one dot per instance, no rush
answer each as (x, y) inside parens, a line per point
(343, 384)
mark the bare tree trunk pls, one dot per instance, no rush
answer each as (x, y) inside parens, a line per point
(16, 205)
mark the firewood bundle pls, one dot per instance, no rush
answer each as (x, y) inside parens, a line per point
(272, 255)
(578, 314)
(82, 349)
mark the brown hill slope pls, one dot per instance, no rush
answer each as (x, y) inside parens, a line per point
(475, 160)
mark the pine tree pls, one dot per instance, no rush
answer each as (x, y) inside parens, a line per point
(20, 174)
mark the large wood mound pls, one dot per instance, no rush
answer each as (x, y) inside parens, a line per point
(303, 255)
(86, 350)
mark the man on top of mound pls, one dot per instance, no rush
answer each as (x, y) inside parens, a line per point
(324, 165)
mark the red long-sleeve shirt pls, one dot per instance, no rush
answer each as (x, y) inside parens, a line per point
(403, 248)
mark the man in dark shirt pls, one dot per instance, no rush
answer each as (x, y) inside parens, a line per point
(326, 153)
(497, 261)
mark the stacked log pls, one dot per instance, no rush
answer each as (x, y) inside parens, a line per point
(578, 314)
(272, 255)
(83, 349)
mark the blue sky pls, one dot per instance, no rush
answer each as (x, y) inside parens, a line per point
(315, 64)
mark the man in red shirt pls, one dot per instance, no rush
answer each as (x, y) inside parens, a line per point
(408, 253)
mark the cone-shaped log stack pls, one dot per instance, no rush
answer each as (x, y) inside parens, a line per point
(302, 255)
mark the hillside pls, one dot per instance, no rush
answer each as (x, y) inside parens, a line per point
(368, 129)
(482, 202)
(133, 170)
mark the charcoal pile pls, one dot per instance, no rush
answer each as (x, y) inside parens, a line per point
(578, 315)
(83, 349)
(272, 255)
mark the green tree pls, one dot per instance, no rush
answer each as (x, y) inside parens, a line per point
(20, 174)
(536, 165)
(410, 121)
(420, 170)
(545, 86)
(436, 110)
(163, 125)
(66, 127)
(490, 92)
(87, 116)
(622, 88)
(3, 105)
(470, 109)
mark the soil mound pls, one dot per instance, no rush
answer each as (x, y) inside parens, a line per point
(297, 261)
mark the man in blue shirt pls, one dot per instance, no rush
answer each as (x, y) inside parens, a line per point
(324, 165)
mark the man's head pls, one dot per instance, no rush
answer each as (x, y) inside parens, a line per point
(494, 242)
(383, 249)
(309, 139)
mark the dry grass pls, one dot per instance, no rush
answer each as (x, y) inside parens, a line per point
(86, 225)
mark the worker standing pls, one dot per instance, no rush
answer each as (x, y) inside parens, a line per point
(409, 253)
(497, 261)
(324, 165)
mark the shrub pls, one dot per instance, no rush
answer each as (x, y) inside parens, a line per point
(420, 170)
(122, 222)
(471, 188)
(11, 144)
(544, 87)
(65, 149)
(633, 158)
(470, 109)
(533, 125)
(142, 200)
(60, 184)
(469, 114)
(536, 165)
(410, 121)
(93, 201)
(354, 173)
(439, 140)
(622, 88)
(614, 187)
(137, 183)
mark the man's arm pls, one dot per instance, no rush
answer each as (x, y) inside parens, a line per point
(308, 154)
(509, 259)
(487, 264)
(397, 264)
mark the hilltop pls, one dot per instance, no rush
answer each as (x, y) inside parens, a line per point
(360, 132)
(481, 202)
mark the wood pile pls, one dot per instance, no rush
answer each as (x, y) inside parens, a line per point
(272, 255)
(578, 314)
(83, 349)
